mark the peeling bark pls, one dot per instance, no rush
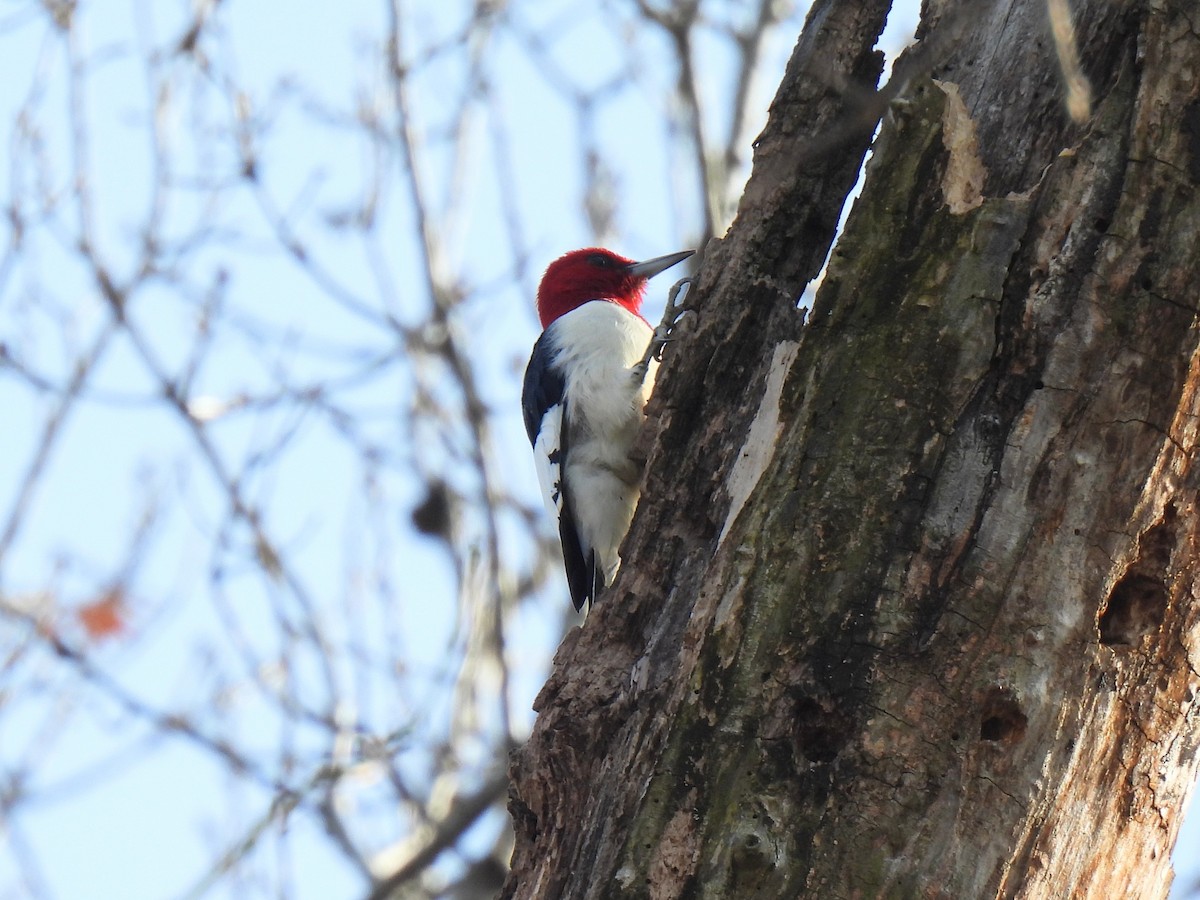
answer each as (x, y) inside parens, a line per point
(908, 607)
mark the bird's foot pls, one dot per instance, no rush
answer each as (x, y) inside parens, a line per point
(676, 309)
(673, 315)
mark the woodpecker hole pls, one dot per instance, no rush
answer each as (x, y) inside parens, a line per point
(1138, 602)
(1134, 609)
(1002, 719)
(819, 733)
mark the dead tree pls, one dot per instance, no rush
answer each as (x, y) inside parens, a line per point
(908, 608)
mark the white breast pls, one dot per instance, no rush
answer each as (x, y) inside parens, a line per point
(597, 345)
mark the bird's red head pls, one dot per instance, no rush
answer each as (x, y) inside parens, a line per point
(597, 274)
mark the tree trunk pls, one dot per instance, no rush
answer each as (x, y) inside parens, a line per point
(908, 606)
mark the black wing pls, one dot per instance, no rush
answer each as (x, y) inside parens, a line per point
(544, 407)
(543, 388)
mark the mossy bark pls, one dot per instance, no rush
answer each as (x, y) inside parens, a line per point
(908, 608)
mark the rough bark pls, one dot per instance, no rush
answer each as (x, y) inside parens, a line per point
(908, 608)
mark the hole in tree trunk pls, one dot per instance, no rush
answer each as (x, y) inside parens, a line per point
(819, 733)
(1002, 719)
(1134, 609)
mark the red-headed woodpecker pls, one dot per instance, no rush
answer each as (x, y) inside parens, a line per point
(585, 388)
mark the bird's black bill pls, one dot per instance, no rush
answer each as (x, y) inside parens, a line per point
(651, 267)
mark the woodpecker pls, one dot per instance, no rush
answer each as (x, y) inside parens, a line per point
(586, 384)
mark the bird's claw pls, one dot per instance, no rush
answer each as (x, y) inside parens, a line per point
(675, 306)
(672, 316)
(658, 343)
(663, 334)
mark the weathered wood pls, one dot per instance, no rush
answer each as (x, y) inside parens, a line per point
(908, 607)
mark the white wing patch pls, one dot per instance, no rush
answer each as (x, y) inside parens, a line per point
(547, 456)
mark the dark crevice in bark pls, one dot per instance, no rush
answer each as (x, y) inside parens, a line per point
(1138, 602)
(1133, 610)
(1001, 718)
